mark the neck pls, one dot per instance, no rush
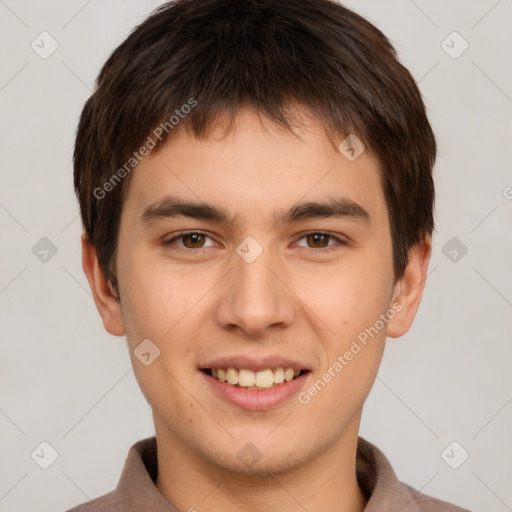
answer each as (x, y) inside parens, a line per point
(327, 482)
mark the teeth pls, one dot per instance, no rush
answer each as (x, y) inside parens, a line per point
(232, 376)
(264, 379)
(246, 378)
(279, 375)
(288, 374)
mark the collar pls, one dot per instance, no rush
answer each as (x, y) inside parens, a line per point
(136, 489)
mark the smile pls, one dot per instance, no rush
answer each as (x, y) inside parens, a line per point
(267, 378)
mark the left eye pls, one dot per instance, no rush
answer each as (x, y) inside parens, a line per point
(190, 240)
(321, 240)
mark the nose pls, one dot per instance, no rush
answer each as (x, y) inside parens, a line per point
(255, 298)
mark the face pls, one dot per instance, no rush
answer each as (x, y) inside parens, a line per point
(264, 259)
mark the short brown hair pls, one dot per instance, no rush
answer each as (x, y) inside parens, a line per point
(268, 55)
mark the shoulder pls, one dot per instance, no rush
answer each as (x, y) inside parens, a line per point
(106, 503)
(424, 503)
(135, 487)
(113, 502)
(385, 492)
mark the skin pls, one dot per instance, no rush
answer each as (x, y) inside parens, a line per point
(294, 300)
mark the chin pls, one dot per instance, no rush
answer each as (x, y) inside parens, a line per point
(258, 457)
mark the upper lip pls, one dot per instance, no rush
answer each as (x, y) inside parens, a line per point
(254, 363)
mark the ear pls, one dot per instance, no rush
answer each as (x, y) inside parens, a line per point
(104, 296)
(408, 291)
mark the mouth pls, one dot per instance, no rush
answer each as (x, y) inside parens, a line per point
(264, 379)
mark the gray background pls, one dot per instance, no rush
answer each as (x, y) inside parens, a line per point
(65, 381)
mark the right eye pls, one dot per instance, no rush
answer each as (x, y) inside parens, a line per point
(189, 240)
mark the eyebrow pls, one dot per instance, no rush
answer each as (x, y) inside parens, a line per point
(171, 207)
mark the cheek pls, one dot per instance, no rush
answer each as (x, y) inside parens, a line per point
(347, 297)
(339, 393)
(352, 352)
(156, 297)
(351, 301)
(159, 305)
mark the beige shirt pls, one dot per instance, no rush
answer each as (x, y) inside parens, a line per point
(136, 490)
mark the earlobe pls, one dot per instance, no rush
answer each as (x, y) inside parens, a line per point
(409, 289)
(104, 296)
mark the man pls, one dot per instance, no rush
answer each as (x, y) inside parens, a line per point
(255, 185)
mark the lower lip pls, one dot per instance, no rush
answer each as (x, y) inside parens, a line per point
(252, 399)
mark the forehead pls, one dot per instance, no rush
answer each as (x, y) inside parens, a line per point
(254, 168)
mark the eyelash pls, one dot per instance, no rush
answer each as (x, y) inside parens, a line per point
(340, 242)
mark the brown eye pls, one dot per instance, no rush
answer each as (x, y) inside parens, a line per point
(193, 240)
(323, 242)
(190, 240)
(318, 240)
